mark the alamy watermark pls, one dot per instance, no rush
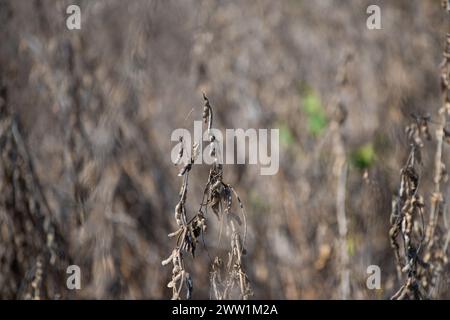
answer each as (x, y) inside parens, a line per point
(73, 21)
(373, 22)
(74, 279)
(235, 147)
(374, 279)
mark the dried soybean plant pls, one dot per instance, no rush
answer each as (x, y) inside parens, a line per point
(33, 249)
(407, 217)
(225, 275)
(423, 254)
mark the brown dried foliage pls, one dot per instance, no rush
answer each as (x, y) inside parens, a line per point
(227, 273)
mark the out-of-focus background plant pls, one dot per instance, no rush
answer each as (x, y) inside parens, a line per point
(86, 118)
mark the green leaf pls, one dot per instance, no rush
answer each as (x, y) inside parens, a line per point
(286, 136)
(315, 113)
(351, 246)
(364, 157)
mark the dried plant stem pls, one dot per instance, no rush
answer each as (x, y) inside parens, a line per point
(444, 111)
(237, 244)
(341, 167)
(340, 170)
(436, 246)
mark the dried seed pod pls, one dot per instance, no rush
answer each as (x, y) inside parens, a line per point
(178, 213)
(190, 286)
(422, 124)
(185, 169)
(195, 151)
(446, 135)
(180, 153)
(206, 109)
(176, 233)
(169, 259)
(212, 151)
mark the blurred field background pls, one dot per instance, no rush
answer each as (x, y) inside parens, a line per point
(86, 176)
